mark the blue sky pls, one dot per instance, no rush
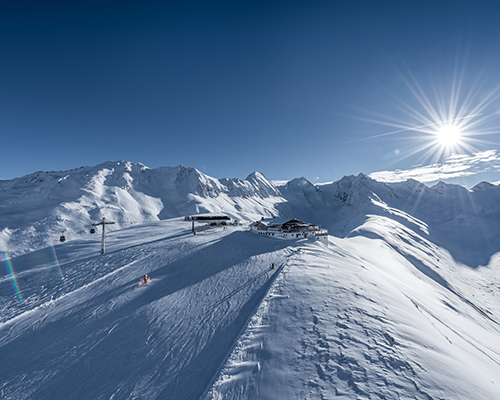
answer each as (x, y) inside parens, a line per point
(287, 88)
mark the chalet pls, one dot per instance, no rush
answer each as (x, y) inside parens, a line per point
(289, 229)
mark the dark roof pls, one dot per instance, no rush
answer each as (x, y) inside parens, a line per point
(210, 217)
(281, 221)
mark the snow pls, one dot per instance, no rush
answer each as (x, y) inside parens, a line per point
(349, 322)
(403, 303)
(124, 192)
(104, 336)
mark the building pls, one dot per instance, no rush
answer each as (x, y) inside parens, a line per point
(289, 229)
(209, 218)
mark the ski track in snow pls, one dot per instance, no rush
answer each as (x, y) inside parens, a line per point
(386, 317)
(406, 306)
(324, 332)
(88, 341)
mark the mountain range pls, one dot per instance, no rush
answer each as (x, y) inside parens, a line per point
(402, 303)
(464, 221)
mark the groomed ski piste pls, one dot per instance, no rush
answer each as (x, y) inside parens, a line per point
(390, 316)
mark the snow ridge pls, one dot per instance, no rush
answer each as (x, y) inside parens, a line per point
(463, 221)
(402, 303)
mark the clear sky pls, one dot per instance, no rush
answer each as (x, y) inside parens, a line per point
(287, 88)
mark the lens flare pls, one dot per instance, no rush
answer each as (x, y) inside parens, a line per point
(55, 258)
(11, 272)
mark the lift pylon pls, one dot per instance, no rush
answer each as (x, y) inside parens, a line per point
(103, 223)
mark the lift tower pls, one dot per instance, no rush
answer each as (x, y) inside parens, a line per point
(103, 223)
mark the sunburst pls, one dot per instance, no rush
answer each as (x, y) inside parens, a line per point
(449, 135)
(451, 123)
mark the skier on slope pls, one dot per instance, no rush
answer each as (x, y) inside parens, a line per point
(144, 280)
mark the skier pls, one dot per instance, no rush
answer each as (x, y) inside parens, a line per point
(144, 280)
(272, 266)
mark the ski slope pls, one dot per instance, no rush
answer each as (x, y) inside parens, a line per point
(377, 318)
(403, 303)
(104, 337)
(358, 321)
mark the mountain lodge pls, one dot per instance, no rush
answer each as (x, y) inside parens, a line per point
(289, 229)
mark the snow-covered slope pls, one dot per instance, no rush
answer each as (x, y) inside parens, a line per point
(92, 333)
(463, 221)
(124, 192)
(357, 320)
(403, 303)
(387, 318)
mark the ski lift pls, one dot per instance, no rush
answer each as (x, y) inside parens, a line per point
(92, 230)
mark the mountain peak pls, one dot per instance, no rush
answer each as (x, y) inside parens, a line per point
(484, 186)
(298, 183)
(256, 176)
(263, 185)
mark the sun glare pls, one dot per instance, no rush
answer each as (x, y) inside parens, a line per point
(449, 136)
(449, 122)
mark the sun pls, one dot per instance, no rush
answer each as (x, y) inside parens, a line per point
(447, 120)
(449, 136)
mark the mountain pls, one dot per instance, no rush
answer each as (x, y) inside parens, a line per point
(463, 221)
(124, 192)
(402, 303)
(68, 202)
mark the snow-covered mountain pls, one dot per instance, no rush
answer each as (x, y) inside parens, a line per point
(403, 303)
(463, 221)
(124, 192)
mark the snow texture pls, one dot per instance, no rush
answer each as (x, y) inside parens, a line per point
(403, 303)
